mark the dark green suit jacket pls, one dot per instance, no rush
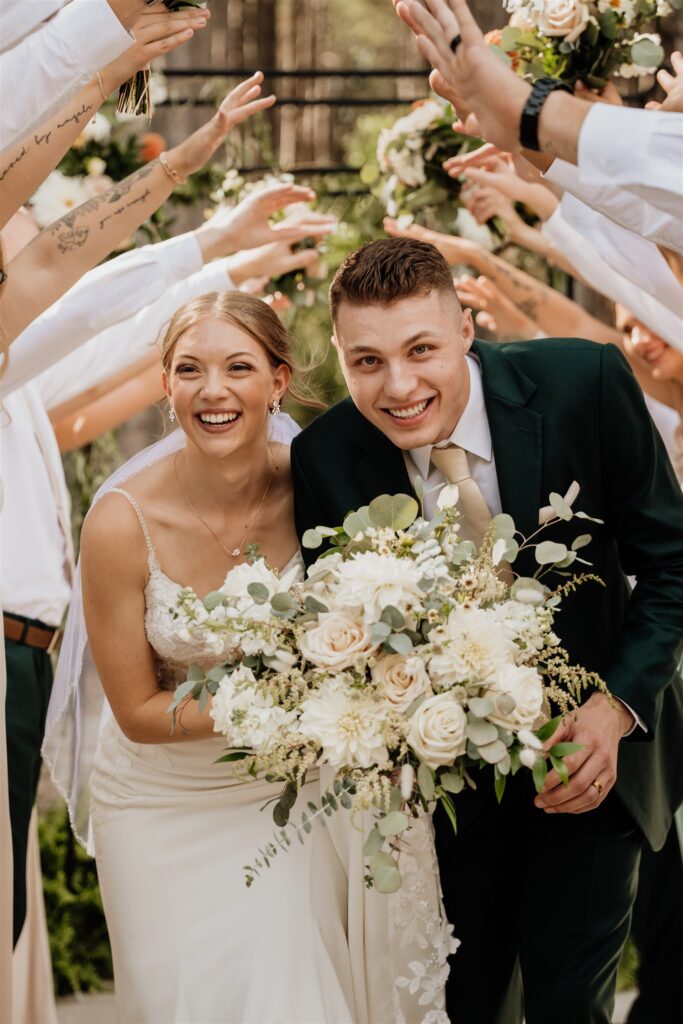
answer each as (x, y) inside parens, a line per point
(562, 410)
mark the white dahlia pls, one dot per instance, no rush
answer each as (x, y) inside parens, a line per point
(372, 582)
(473, 644)
(346, 723)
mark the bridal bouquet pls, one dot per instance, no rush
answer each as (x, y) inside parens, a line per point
(415, 186)
(406, 660)
(582, 40)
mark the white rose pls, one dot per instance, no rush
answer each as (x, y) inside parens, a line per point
(401, 679)
(438, 730)
(562, 18)
(525, 686)
(336, 641)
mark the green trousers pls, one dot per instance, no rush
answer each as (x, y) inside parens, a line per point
(29, 682)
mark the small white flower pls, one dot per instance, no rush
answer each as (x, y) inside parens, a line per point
(98, 129)
(95, 166)
(448, 496)
(528, 757)
(407, 781)
(529, 739)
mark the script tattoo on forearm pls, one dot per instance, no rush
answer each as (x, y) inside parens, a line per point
(42, 138)
(76, 118)
(13, 163)
(126, 206)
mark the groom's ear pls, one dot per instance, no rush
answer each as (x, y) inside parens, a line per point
(467, 329)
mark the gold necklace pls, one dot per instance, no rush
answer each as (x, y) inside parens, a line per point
(234, 552)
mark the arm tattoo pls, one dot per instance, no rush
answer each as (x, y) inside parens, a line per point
(76, 118)
(13, 163)
(42, 138)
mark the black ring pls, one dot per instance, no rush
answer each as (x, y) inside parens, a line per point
(455, 42)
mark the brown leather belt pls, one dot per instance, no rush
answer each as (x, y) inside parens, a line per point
(21, 631)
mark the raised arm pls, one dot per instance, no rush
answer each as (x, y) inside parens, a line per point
(26, 165)
(62, 253)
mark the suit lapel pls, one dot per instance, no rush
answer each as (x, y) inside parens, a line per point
(516, 434)
(380, 467)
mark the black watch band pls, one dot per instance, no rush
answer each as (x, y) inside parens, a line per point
(528, 125)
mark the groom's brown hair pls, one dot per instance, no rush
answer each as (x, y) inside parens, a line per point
(390, 269)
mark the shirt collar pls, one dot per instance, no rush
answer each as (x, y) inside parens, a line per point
(472, 430)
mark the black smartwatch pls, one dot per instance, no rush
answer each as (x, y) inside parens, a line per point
(528, 125)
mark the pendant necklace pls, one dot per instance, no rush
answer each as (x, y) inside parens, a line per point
(234, 552)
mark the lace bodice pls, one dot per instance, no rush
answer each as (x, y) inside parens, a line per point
(173, 652)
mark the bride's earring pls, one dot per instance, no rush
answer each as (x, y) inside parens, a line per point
(171, 414)
(275, 407)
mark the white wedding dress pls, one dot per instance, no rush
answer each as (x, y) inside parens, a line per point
(307, 943)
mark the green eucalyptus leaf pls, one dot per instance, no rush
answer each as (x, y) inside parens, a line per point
(451, 782)
(392, 824)
(379, 632)
(647, 54)
(357, 522)
(493, 752)
(280, 814)
(393, 617)
(397, 511)
(213, 600)
(387, 879)
(282, 602)
(399, 642)
(425, 780)
(373, 843)
(480, 706)
(509, 37)
(581, 542)
(312, 539)
(548, 552)
(259, 592)
(560, 506)
(482, 732)
(504, 526)
(312, 604)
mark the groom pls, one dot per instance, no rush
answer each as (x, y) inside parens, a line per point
(538, 888)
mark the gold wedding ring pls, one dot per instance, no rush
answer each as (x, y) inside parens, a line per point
(598, 785)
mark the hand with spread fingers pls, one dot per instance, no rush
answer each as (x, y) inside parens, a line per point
(672, 86)
(496, 312)
(453, 248)
(476, 81)
(598, 725)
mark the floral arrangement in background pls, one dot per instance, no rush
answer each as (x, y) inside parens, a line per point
(414, 186)
(406, 660)
(300, 287)
(582, 40)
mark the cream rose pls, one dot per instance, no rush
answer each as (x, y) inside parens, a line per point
(562, 18)
(438, 730)
(401, 679)
(525, 686)
(336, 641)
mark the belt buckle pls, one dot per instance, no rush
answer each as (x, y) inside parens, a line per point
(52, 646)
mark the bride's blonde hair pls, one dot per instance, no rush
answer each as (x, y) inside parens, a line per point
(249, 314)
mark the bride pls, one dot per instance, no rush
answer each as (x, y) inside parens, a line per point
(171, 830)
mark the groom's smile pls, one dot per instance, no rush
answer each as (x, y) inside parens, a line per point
(404, 364)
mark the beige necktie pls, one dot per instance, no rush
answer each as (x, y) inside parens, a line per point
(475, 513)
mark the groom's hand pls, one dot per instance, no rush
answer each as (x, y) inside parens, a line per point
(598, 725)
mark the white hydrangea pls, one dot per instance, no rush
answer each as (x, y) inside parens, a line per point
(348, 724)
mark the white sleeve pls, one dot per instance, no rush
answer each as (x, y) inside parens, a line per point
(594, 269)
(639, 150)
(621, 206)
(62, 56)
(104, 296)
(631, 255)
(126, 341)
(19, 18)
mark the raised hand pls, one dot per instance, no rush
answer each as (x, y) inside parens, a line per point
(672, 86)
(497, 313)
(243, 102)
(156, 31)
(453, 248)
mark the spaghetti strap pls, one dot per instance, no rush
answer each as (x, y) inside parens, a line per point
(138, 512)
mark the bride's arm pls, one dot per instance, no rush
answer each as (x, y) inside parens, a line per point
(114, 574)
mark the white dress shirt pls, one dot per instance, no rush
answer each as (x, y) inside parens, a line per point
(61, 56)
(107, 295)
(36, 556)
(662, 227)
(639, 150)
(18, 18)
(594, 269)
(471, 433)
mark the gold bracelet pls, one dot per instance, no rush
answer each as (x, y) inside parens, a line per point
(173, 174)
(98, 76)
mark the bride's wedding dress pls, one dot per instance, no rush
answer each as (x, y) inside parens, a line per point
(308, 943)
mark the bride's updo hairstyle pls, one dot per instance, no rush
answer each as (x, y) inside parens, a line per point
(249, 314)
